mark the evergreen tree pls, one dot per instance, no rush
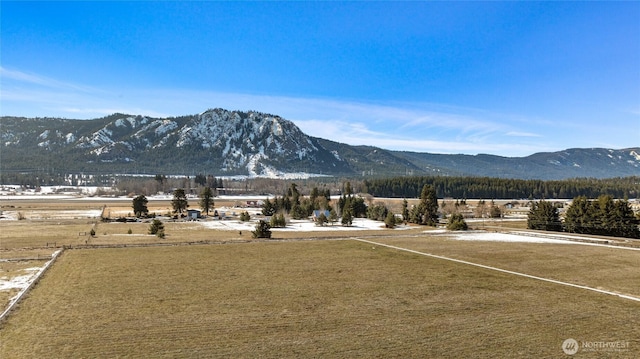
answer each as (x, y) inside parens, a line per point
(544, 216)
(293, 192)
(278, 221)
(604, 215)
(140, 206)
(206, 200)
(263, 230)
(297, 212)
(333, 216)
(347, 215)
(577, 218)
(157, 227)
(405, 210)
(179, 201)
(268, 208)
(426, 212)
(200, 179)
(321, 219)
(161, 180)
(377, 212)
(457, 223)
(286, 204)
(314, 194)
(212, 182)
(347, 189)
(358, 207)
(625, 222)
(327, 194)
(390, 220)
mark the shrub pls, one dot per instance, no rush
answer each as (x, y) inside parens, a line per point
(278, 221)
(390, 221)
(263, 230)
(157, 227)
(457, 223)
(321, 220)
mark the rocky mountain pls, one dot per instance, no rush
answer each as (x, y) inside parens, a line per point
(224, 143)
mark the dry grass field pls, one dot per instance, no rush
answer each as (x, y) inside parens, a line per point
(332, 298)
(613, 269)
(298, 297)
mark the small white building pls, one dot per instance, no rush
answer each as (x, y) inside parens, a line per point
(193, 214)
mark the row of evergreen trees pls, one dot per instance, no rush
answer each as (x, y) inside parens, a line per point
(298, 206)
(295, 204)
(348, 207)
(486, 187)
(603, 216)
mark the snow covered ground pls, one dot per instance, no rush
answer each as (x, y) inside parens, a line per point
(359, 224)
(21, 281)
(58, 192)
(531, 237)
(49, 214)
(504, 237)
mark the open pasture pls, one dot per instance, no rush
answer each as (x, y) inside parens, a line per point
(329, 298)
(614, 269)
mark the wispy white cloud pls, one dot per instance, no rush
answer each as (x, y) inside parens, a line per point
(34, 79)
(522, 134)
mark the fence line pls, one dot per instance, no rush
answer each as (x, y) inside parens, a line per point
(15, 300)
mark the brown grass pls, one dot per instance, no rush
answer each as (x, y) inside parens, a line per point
(30, 233)
(301, 299)
(613, 269)
(323, 298)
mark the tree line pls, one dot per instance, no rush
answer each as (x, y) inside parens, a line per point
(488, 187)
(602, 216)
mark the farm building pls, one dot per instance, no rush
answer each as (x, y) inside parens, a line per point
(193, 214)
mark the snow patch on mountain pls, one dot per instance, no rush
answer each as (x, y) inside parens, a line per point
(70, 137)
(130, 122)
(44, 135)
(165, 126)
(97, 139)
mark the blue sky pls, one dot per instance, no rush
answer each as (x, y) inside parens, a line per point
(505, 78)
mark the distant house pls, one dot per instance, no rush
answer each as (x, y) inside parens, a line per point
(317, 213)
(193, 214)
(255, 204)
